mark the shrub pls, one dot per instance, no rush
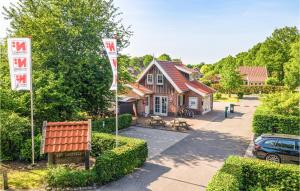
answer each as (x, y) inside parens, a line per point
(111, 163)
(273, 81)
(240, 173)
(65, 177)
(278, 113)
(115, 163)
(26, 152)
(107, 125)
(102, 142)
(240, 95)
(218, 95)
(252, 89)
(14, 129)
(284, 103)
(267, 122)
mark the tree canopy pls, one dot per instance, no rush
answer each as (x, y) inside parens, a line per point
(71, 73)
(279, 53)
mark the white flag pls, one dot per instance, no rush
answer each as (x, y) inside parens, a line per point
(19, 58)
(111, 49)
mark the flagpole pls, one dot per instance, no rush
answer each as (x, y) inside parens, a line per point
(31, 109)
(117, 142)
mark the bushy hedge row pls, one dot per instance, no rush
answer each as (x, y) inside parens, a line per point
(108, 125)
(115, 163)
(250, 174)
(251, 89)
(111, 163)
(267, 122)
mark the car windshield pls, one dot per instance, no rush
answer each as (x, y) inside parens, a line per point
(258, 139)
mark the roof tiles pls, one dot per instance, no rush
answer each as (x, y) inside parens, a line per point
(66, 136)
(254, 73)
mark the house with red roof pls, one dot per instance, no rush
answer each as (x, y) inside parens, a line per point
(254, 75)
(164, 87)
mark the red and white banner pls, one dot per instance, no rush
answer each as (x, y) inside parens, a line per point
(111, 49)
(19, 58)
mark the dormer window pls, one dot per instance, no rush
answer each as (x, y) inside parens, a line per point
(149, 78)
(159, 79)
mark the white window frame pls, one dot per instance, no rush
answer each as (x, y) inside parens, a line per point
(148, 82)
(196, 103)
(160, 105)
(162, 79)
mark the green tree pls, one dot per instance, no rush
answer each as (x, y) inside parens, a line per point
(230, 80)
(291, 68)
(66, 41)
(164, 57)
(273, 81)
(147, 59)
(275, 51)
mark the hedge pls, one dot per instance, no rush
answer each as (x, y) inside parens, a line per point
(66, 177)
(111, 163)
(252, 89)
(115, 163)
(108, 125)
(240, 173)
(266, 122)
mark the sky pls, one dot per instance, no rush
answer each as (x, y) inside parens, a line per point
(198, 30)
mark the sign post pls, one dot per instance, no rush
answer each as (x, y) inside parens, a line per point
(111, 49)
(19, 58)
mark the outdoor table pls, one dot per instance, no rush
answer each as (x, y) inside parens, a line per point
(156, 121)
(180, 122)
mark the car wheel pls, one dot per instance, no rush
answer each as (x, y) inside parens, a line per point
(273, 158)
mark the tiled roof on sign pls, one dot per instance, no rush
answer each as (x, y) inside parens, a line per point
(254, 73)
(66, 136)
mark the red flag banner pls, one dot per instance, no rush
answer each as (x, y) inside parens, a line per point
(111, 49)
(19, 57)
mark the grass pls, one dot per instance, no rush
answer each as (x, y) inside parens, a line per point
(226, 98)
(25, 179)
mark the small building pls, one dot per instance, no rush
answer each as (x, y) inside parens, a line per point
(166, 86)
(67, 142)
(254, 75)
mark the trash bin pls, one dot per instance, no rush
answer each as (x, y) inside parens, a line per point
(231, 108)
(226, 110)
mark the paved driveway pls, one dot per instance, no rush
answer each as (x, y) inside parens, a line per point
(157, 140)
(191, 161)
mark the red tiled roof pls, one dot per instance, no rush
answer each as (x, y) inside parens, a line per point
(201, 87)
(254, 73)
(182, 67)
(174, 73)
(141, 88)
(66, 136)
(180, 80)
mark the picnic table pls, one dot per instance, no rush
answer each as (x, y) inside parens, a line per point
(157, 121)
(180, 122)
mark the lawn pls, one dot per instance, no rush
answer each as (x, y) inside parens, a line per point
(226, 98)
(25, 179)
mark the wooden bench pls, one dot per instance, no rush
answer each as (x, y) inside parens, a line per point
(180, 122)
(157, 121)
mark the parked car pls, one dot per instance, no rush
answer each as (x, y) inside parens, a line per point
(277, 148)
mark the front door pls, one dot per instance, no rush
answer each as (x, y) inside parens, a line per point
(147, 105)
(160, 105)
(206, 105)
